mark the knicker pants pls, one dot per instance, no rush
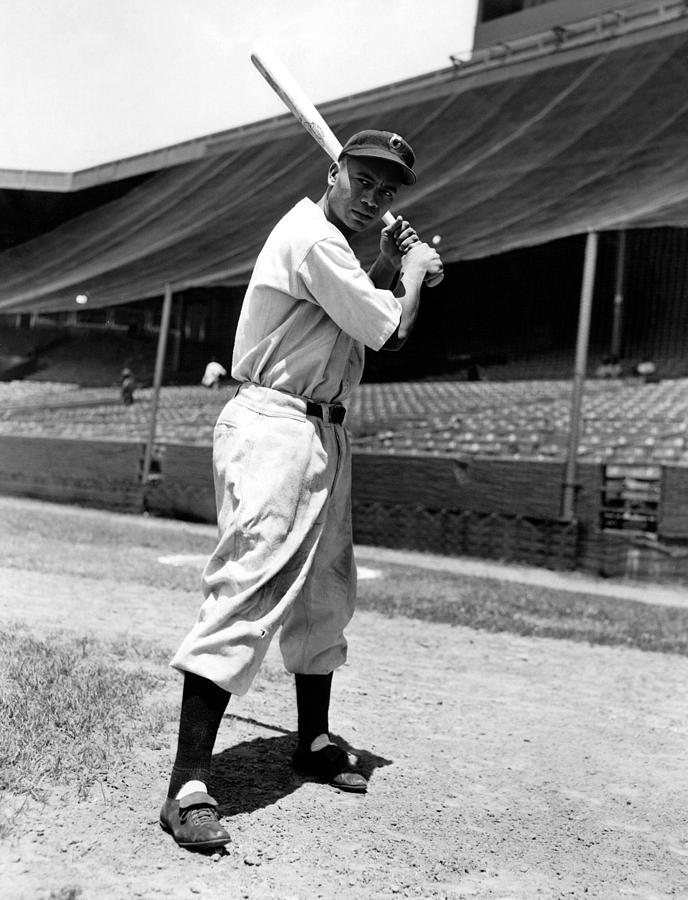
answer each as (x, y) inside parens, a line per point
(284, 555)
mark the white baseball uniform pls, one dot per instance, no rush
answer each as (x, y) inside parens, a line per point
(283, 477)
(214, 371)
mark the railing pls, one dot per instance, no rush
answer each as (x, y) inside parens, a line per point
(612, 23)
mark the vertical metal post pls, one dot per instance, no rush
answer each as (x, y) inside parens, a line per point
(569, 486)
(176, 333)
(157, 381)
(618, 295)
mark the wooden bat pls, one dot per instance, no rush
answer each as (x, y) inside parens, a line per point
(292, 95)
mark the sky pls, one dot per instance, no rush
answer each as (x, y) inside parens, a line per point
(83, 82)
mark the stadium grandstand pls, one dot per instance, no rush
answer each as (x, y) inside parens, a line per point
(551, 162)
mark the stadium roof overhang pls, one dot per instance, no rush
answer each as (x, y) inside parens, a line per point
(579, 130)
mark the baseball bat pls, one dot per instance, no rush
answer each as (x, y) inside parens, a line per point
(295, 99)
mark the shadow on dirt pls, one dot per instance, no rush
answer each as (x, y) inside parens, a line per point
(257, 773)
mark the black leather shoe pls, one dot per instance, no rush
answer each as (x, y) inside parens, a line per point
(332, 765)
(193, 822)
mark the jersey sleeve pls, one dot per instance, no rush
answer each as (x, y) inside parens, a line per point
(331, 276)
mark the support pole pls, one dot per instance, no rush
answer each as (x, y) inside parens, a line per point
(176, 333)
(569, 486)
(157, 381)
(618, 295)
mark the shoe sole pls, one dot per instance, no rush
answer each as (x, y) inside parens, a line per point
(215, 844)
(348, 789)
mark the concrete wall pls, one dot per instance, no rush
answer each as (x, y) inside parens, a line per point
(185, 489)
(95, 473)
(105, 473)
(513, 487)
(491, 508)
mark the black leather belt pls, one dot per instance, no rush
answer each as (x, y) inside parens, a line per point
(333, 414)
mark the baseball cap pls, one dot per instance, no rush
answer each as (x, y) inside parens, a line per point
(383, 145)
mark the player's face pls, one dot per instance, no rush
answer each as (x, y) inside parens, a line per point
(361, 192)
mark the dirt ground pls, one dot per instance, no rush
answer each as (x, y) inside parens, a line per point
(500, 766)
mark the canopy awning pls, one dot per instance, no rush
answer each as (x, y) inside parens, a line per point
(514, 155)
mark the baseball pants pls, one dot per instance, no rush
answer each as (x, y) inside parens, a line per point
(284, 557)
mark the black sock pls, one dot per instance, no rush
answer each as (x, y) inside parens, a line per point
(203, 705)
(313, 706)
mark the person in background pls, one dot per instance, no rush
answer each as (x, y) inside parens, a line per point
(127, 386)
(214, 371)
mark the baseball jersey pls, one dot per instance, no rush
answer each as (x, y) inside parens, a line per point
(213, 371)
(309, 311)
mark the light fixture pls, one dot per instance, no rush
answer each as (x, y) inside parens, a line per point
(81, 299)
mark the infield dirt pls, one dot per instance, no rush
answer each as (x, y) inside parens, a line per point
(500, 766)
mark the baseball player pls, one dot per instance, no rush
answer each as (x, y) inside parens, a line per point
(214, 371)
(282, 468)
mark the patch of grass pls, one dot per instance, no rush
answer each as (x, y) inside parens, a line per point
(79, 542)
(83, 526)
(127, 647)
(70, 709)
(491, 605)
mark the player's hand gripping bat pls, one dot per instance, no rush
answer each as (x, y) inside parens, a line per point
(290, 92)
